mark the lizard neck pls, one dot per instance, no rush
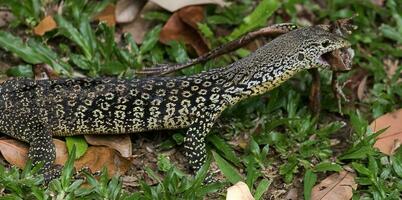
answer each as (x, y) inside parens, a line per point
(256, 74)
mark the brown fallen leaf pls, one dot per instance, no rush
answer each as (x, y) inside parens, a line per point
(239, 191)
(177, 29)
(47, 24)
(95, 158)
(121, 143)
(139, 27)
(14, 151)
(98, 157)
(361, 88)
(336, 186)
(172, 6)
(388, 140)
(107, 15)
(61, 152)
(127, 10)
(192, 15)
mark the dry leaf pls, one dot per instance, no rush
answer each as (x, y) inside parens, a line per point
(361, 88)
(14, 151)
(61, 152)
(47, 24)
(127, 10)
(121, 143)
(395, 147)
(139, 27)
(107, 15)
(192, 15)
(177, 4)
(98, 157)
(388, 140)
(95, 158)
(176, 29)
(337, 186)
(239, 191)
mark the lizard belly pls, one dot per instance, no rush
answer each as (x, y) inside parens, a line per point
(115, 122)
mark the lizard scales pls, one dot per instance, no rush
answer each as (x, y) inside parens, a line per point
(34, 111)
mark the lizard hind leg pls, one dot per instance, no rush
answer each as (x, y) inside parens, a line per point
(194, 145)
(42, 150)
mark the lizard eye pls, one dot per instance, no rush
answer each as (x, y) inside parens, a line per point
(325, 43)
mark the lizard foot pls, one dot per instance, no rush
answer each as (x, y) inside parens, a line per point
(80, 174)
(52, 173)
(210, 178)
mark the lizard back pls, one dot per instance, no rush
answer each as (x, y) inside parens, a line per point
(108, 105)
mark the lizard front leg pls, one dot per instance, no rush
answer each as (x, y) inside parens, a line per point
(194, 144)
(43, 150)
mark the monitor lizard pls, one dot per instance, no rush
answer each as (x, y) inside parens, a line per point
(35, 111)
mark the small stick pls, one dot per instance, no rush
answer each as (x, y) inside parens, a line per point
(270, 31)
(315, 92)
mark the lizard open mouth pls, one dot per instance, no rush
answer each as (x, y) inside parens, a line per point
(338, 59)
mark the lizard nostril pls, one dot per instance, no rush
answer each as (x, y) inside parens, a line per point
(300, 57)
(325, 43)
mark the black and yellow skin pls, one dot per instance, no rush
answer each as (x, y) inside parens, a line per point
(34, 111)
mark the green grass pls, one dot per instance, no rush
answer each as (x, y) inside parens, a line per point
(282, 131)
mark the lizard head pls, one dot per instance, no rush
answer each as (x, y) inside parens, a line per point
(320, 48)
(317, 47)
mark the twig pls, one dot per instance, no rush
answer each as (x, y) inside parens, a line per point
(315, 92)
(270, 31)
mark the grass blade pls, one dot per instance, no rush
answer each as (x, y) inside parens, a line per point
(220, 144)
(227, 169)
(309, 181)
(256, 19)
(15, 45)
(262, 188)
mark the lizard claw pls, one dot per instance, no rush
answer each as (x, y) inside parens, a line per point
(80, 174)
